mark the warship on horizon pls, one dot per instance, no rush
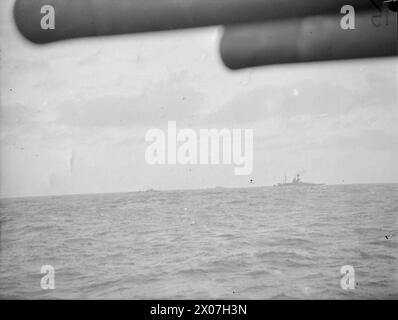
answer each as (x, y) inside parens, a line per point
(296, 182)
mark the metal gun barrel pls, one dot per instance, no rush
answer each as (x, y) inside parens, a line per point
(86, 18)
(315, 38)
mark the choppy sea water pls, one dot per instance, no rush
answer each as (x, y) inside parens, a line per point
(255, 243)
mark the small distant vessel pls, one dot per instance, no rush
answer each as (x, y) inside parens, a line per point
(150, 190)
(296, 182)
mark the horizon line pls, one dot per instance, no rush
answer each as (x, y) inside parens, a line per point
(176, 189)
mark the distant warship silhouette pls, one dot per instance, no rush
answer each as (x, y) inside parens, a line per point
(296, 182)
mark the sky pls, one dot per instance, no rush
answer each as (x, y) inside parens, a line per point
(73, 114)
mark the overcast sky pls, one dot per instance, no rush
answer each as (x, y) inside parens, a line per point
(74, 114)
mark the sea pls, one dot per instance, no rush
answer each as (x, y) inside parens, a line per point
(221, 243)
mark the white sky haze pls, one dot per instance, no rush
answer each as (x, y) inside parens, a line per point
(74, 114)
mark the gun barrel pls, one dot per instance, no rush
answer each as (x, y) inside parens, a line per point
(86, 18)
(315, 38)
